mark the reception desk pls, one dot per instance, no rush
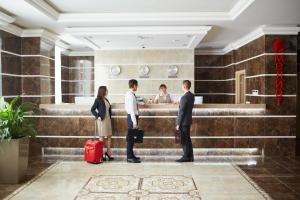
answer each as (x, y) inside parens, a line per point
(214, 126)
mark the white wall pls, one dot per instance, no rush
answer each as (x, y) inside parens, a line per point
(130, 60)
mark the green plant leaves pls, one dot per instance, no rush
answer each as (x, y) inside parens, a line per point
(13, 121)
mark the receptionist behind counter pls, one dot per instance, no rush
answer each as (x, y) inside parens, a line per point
(163, 96)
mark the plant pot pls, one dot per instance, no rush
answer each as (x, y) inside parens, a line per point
(13, 160)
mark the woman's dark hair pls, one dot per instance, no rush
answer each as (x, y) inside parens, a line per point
(101, 92)
(162, 86)
(132, 83)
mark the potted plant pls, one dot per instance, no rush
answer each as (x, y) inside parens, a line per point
(15, 129)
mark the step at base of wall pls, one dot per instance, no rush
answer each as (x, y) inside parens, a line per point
(240, 160)
(236, 155)
(160, 151)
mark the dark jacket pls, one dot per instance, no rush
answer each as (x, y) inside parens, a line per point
(186, 105)
(99, 105)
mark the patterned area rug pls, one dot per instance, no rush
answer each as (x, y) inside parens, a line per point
(133, 187)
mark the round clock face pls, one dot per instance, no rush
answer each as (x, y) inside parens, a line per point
(115, 70)
(173, 70)
(144, 70)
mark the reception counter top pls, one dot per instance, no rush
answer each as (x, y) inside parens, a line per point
(157, 109)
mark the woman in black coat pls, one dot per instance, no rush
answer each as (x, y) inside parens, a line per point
(101, 109)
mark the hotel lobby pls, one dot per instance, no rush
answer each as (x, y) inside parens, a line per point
(241, 57)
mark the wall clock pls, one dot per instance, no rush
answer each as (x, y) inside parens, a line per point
(144, 71)
(115, 70)
(172, 71)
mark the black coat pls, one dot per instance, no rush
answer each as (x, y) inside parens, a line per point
(186, 105)
(99, 105)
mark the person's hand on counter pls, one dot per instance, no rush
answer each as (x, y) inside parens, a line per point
(177, 127)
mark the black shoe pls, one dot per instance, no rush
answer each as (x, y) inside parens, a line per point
(184, 160)
(133, 160)
(108, 156)
(138, 158)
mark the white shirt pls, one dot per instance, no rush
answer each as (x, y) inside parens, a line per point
(131, 106)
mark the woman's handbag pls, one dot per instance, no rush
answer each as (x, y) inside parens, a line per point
(135, 135)
(177, 135)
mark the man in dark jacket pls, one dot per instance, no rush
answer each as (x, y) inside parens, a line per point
(184, 122)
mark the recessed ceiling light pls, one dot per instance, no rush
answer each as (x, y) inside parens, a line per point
(107, 41)
(176, 40)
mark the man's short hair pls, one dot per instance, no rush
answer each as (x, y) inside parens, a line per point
(132, 83)
(187, 84)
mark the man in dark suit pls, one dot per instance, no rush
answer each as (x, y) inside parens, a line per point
(184, 122)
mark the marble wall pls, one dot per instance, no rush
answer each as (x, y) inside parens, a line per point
(298, 99)
(215, 76)
(27, 68)
(77, 77)
(129, 61)
(213, 81)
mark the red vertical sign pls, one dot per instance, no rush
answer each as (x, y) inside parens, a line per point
(279, 47)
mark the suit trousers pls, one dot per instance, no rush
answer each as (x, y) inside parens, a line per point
(186, 142)
(130, 144)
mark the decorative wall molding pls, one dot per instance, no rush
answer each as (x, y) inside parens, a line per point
(48, 10)
(63, 45)
(44, 8)
(81, 53)
(138, 64)
(16, 54)
(39, 33)
(232, 14)
(13, 29)
(133, 30)
(270, 95)
(6, 19)
(263, 30)
(230, 79)
(245, 60)
(27, 76)
(84, 33)
(268, 75)
(230, 94)
(6, 25)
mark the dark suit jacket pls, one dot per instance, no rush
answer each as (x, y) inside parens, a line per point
(99, 105)
(186, 105)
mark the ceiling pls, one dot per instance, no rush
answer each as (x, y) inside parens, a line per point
(129, 24)
(138, 6)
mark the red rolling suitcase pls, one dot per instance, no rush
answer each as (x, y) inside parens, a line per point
(93, 149)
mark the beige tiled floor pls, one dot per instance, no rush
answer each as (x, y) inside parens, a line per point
(119, 180)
